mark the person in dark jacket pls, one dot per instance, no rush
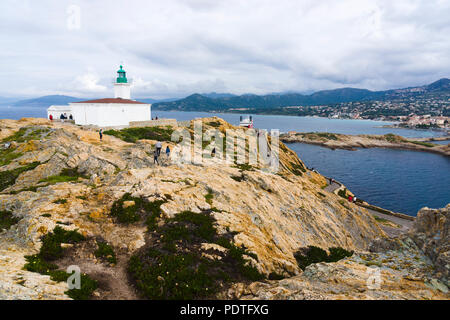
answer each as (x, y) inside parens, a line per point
(100, 133)
(167, 151)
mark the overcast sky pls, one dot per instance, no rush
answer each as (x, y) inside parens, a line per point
(172, 48)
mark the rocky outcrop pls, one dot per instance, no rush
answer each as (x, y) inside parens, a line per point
(271, 214)
(432, 234)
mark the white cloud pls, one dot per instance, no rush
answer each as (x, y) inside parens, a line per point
(89, 83)
(175, 48)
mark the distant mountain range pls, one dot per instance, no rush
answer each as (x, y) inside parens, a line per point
(227, 102)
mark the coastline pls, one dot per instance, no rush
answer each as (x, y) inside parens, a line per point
(353, 142)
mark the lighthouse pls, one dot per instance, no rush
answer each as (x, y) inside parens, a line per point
(122, 86)
(112, 112)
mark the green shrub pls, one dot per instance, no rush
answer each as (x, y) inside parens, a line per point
(66, 175)
(26, 134)
(51, 242)
(51, 249)
(312, 254)
(150, 133)
(209, 196)
(173, 267)
(9, 177)
(8, 155)
(297, 168)
(36, 263)
(7, 220)
(237, 178)
(133, 213)
(343, 193)
(60, 201)
(421, 143)
(106, 252)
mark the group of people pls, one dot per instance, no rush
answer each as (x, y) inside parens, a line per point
(62, 117)
(157, 152)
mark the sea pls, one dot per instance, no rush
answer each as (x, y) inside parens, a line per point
(399, 180)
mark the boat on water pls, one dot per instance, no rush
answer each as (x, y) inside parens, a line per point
(246, 122)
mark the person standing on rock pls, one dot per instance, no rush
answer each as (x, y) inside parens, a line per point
(167, 151)
(100, 132)
(158, 147)
(155, 156)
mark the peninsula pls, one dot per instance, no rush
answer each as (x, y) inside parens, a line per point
(353, 142)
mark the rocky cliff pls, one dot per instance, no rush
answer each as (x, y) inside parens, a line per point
(61, 176)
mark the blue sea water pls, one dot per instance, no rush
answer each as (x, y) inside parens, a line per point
(399, 180)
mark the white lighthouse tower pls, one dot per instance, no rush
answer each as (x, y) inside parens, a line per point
(122, 88)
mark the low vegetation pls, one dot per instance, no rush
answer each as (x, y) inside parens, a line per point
(171, 265)
(26, 134)
(9, 177)
(7, 220)
(105, 252)
(51, 250)
(130, 209)
(312, 254)
(8, 155)
(421, 143)
(297, 168)
(209, 196)
(66, 175)
(150, 133)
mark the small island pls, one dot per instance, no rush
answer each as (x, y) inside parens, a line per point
(353, 142)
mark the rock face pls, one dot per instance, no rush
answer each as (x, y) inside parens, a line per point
(432, 235)
(272, 215)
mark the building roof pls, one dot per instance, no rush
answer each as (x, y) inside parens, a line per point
(59, 107)
(112, 100)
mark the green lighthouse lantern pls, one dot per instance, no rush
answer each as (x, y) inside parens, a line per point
(121, 76)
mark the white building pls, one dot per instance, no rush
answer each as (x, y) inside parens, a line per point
(56, 111)
(110, 112)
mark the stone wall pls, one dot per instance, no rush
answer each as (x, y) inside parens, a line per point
(154, 123)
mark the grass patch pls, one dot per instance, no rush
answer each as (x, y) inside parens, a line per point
(172, 266)
(66, 175)
(421, 143)
(297, 168)
(81, 197)
(26, 134)
(8, 155)
(105, 252)
(46, 215)
(7, 220)
(150, 133)
(9, 177)
(312, 254)
(327, 135)
(209, 196)
(321, 194)
(60, 201)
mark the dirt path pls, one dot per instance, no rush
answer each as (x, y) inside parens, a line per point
(113, 283)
